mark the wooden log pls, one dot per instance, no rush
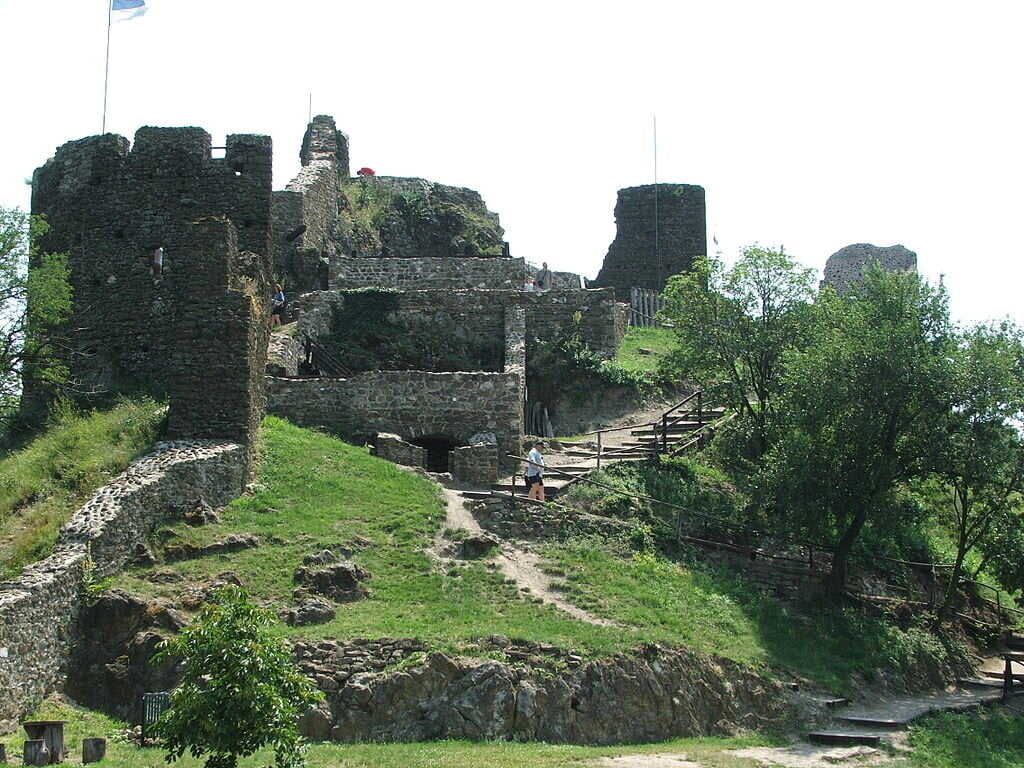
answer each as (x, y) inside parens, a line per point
(3, 754)
(36, 752)
(93, 750)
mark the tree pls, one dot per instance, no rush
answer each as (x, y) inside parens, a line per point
(239, 691)
(981, 463)
(35, 297)
(865, 406)
(735, 326)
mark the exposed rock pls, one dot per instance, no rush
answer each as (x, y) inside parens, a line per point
(202, 514)
(164, 576)
(110, 667)
(315, 724)
(143, 556)
(312, 610)
(234, 542)
(339, 581)
(478, 545)
(323, 557)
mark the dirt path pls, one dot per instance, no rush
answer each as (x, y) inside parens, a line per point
(519, 565)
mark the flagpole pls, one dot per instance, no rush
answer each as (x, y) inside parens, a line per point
(657, 249)
(106, 68)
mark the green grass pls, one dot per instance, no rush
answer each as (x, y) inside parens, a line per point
(317, 492)
(42, 484)
(988, 738)
(712, 753)
(659, 340)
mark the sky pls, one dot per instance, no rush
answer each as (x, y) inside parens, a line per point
(811, 125)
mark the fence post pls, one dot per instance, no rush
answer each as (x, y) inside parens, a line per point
(598, 450)
(664, 433)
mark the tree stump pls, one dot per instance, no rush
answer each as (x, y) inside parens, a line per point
(36, 752)
(93, 750)
(3, 754)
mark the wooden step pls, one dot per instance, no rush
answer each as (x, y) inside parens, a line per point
(844, 738)
(475, 494)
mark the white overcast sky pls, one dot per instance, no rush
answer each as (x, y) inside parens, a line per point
(811, 125)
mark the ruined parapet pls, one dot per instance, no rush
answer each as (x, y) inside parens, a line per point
(220, 341)
(323, 141)
(110, 206)
(429, 273)
(846, 266)
(649, 249)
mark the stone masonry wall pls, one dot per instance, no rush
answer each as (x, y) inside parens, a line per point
(394, 449)
(109, 207)
(220, 351)
(476, 464)
(412, 404)
(845, 267)
(38, 609)
(634, 257)
(426, 273)
(600, 322)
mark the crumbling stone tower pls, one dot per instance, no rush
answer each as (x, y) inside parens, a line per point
(109, 207)
(644, 255)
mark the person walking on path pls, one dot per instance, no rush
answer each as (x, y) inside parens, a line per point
(277, 305)
(544, 278)
(535, 472)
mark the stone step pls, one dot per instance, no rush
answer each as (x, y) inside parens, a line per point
(882, 723)
(983, 682)
(844, 738)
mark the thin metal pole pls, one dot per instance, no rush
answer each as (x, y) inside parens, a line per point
(106, 68)
(310, 120)
(657, 249)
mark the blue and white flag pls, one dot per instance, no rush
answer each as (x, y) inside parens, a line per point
(122, 10)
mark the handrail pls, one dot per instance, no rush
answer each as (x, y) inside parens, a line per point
(641, 423)
(782, 538)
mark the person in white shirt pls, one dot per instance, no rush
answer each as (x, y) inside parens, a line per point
(535, 472)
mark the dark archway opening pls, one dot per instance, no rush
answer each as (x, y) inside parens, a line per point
(437, 447)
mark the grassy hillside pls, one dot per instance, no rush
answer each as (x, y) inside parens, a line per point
(315, 492)
(42, 484)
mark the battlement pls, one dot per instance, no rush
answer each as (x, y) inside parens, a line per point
(110, 204)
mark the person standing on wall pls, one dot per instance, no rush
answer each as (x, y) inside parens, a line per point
(535, 472)
(277, 305)
(544, 278)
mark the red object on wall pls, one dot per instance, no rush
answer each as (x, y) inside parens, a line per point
(366, 172)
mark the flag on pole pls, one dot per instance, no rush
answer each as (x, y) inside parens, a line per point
(122, 10)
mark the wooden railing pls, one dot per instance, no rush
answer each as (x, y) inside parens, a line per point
(319, 359)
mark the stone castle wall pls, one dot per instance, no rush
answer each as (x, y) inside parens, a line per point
(39, 608)
(645, 256)
(411, 404)
(220, 351)
(426, 273)
(593, 315)
(109, 208)
(845, 267)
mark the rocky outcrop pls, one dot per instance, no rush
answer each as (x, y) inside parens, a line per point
(542, 694)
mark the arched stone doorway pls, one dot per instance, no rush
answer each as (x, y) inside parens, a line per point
(437, 447)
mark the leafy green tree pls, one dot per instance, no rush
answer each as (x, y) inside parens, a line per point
(239, 691)
(981, 462)
(734, 327)
(35, 297)
(865, 407)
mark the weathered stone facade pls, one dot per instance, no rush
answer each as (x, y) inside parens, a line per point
(593, 315)
(647, 250)
(846, 266)
(477, 464)
(426, 273)
(412, 404)
(39, 608)
(394, 449)
(536, 693)
(220, 350)
(109, 208)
